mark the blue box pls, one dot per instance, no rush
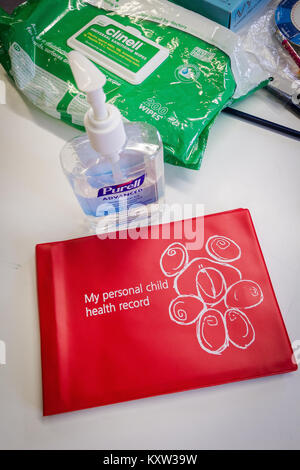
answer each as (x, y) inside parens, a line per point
(229, 13)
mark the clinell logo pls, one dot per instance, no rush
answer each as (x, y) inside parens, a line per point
(121, 37)
(122, 188)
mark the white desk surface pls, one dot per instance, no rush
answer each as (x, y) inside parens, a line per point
(244, 166)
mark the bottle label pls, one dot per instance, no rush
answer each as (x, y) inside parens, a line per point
(119, 190)
(120, 49)
(120, 197)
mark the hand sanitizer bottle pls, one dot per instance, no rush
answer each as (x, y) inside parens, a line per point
(116, 170)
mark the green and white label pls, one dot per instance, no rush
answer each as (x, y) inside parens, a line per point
(118, 45)
(124, 51)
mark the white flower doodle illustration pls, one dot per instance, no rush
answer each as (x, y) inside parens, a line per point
(212, 332)
(240, 330)
(225, 272)
(244, 294)
(212, 294)
(185, 309)
(173, 259)
(223, 249)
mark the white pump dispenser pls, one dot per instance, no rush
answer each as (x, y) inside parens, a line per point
(116, 169)
(103, 122)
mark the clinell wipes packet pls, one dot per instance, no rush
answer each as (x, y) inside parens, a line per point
(164, 65)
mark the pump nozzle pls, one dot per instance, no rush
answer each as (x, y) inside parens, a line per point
(103, 122)
(91, 81)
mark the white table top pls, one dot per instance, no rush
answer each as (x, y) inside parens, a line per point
(244, 166)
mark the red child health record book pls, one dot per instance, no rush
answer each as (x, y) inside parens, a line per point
(122, 319)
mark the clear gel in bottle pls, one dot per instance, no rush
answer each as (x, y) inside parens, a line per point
(116, 170)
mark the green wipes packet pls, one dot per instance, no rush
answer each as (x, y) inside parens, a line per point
(164, 65)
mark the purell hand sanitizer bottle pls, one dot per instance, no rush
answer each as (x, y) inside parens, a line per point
(116, 170)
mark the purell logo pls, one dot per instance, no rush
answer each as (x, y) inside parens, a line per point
(122, 188)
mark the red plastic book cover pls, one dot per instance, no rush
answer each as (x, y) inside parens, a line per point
(122, 319)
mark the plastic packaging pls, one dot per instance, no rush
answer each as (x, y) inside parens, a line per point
(260, 39)
(164, 65)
